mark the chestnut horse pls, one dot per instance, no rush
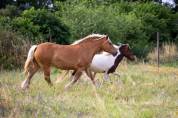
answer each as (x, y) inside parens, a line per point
(67, 57)
(106, 63)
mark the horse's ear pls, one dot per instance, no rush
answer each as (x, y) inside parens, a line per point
(107, 37)
(127, 46)
(116, 46)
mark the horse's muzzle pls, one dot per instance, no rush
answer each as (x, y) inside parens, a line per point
(114, 54)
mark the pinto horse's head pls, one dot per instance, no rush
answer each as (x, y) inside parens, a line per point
(107, 46)
(126, 51)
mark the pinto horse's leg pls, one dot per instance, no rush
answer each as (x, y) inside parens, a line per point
(47, 75)
(75, 78)
(25, 84)
(106, 76)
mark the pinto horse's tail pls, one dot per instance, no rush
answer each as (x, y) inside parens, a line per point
(30, 58)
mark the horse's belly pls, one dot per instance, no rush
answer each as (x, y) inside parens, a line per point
(101, 64)
(69, 64)
(64, 66)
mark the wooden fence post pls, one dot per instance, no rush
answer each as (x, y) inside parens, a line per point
(158, 60)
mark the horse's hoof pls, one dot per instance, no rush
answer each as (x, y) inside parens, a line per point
(97, 84)
(66, 87)
(24, 86)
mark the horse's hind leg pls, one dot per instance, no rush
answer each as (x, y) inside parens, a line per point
(76, 77)
(25, 84)
(47, 75)
(62, 77)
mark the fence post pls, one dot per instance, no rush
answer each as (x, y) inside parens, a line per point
(158, 60)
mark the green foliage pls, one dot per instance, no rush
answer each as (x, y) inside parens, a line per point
(35, 23)
(119, 25)
(5, 22)
(127, 22)
(27, 28)
(10, 11)
(155, 18)
(132, 21)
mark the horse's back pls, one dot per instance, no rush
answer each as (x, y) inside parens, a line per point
(48, 45)
(46, 49)
(45, 52)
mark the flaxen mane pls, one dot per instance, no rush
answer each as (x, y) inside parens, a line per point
(89, 37)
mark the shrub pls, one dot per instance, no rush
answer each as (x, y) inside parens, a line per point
(135, 23)
(27, 28)
(120, 26)
(13, 50)
(5, 22)
(47, 24)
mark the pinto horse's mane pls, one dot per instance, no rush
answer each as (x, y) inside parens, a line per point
(90, 37)
(117, 47)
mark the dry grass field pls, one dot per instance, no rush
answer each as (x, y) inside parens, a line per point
(140, 92)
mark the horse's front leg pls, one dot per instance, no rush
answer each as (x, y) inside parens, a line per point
(76, 76)
(46, 70)
(89, 74)
(106, 76)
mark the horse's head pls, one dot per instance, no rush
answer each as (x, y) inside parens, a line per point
(107, 46)
(125, 50)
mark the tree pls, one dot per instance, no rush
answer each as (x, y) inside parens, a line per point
(42, 23)
(176, 5)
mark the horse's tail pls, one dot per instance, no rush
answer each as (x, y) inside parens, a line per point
(30, 58)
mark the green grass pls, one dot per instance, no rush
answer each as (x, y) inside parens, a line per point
(139, 92)
(171, 64)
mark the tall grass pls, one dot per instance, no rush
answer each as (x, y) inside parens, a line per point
(168, 53)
